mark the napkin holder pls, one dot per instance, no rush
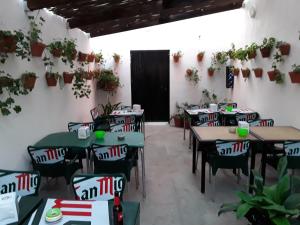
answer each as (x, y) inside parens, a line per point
(136, 107)
(8, 208)
(213, 107)
(84, 132)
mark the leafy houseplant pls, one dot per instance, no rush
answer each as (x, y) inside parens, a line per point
(192, 75)
(276, 75)
(99, 58)
(211, 71)
(241, 54)
(231, 52)
(36, 45)
(251, 51)
(91, 57)
(107, 80)
(68, 77)
(267, 46)
(80, 87)
(200, 56)
(258, 72)
(52, 78)
(108, 108)
(177, 56)
(28, 79)
(69, 52)
(283, 47)
(295, 74)
(56, 48)
(270, 205)
(246, 72)
(220, 57)
(116, 57)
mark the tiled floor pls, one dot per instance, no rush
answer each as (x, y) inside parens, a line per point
(173, 192)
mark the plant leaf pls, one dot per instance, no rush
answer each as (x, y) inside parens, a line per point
(292, 202)
(282, 189)
(228, 208)
(280, 221)
(259, 182)
(242, 210)
(281, 168)
(244, 196)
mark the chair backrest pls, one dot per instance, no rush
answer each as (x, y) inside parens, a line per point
(98, 186)
(222, 105)
(129, 127)
(248, 117)
(109, 153)
(211, 124)
(73, 126)
(46, 156)
(95, 112)
(125, 107)
(192, 107)
(22, 182)
(208, 117)
(123, 120)
(292, 148)
(262, 123)
(232, 148)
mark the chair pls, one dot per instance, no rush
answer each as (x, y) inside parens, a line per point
(114, 159)
(130, 127)
(74, 126)
(50, 162)
(24, 183)
(122, 120)
(248, 117)
(229, 155)
(222, 105)
(207, 118)
(101, 187)
(262, 123)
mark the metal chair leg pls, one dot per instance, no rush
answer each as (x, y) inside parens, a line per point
(137, 181)
(209, 174)
(238, 176)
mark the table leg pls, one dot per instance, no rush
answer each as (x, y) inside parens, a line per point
(252, 167)
(190, 131)
(203, 162)
(184, 120)
(194, 154)
(143, 171)
(144, 127)
(263, 163)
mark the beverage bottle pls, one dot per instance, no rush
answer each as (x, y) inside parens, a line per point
(117, 210)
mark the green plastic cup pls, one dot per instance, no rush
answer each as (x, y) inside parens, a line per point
(242, 132)
(229, 108)
(99, 134)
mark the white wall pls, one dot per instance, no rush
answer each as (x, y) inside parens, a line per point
(274, 18)
(44, 110)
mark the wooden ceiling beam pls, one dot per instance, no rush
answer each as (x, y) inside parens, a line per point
(40, 4)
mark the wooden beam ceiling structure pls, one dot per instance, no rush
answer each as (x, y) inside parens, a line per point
(102, 17)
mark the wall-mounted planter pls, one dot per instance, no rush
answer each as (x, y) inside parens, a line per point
(210, 72)
(37, 49)
(90, 57)
(295, 77)
(89, 75)
(8, 44)
(252, 55)
(6, 81)
(265, 52)
(200, 56)
(82, 57)
(176, 58)
(272, 75)
(56, 52)
(285, 49)
(74, 55)
(258, 72)
(236, 71)
(68, 77)
(29, 82)
(51, 80)
(245, 73)
(189, 72)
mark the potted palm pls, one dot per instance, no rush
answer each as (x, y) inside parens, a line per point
(267, 46)
(295, 74)
(56, 48)
(211, 71)
(36, 45)
(28, 80)
(246, 72)
(52, 78)
(68, 77)
(91, 57)
(116, 58)
(107, 80)
(283, 47)
(200, 56)
(278, 204)
(177, 56)
(251, 51)
(258, 72)
(8, 42)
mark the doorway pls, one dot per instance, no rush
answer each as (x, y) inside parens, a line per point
(150, 83)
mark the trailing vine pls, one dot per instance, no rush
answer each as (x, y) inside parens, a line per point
(80, 87)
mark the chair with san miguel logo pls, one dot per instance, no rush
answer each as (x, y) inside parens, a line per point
(114, 159)
(101, 187)
(247, 117)
(51, 162)
(24, 183)
(123, 124)
(208, 119)
(262, 123)
(229, 155)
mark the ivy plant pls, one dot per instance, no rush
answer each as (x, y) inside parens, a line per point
(80, 87)
(69, 51)
(35, 31)
(192, 75)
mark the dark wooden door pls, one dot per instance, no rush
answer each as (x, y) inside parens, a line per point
(150, 83)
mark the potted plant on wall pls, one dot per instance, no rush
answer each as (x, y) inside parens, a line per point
(82, 57)
(258, 72)
(52, 78)
(80, 87)
(235, 71)
(116, 58)
(192, 75)
(220, 57)
(211, 71)
(56, 48)
(251, 50)
(241, 54)
(99, 58)
(68, 77)
(200, 56)
(8, 42)
(107, 80)
(283, 47)
(91, 57)
(231, 52)
(69, 51)
(246, 72)
(36, 45)
(295, 74)
(276, 75)
(177, 56)
(267, 47)
(28, 79)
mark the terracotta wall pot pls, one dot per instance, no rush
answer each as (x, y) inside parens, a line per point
(8, 44)
(265, 52)
(90, 58)
(285, 49)
(117, 60)
(74, 55)
(295, 77)
(56, 52)
(272, 75)
(82, 57)
(236, 71)
(258, 72)
(29, 82)
(200, 57)
(176, 58)
(37, 49)
(252, 55)
(97, 60)
(246, 73)
(178, 122)
(51, 81)
(189, 72)
(68, 77)
(6, 82)
(89, 75)
(210, 72)
(109, 87)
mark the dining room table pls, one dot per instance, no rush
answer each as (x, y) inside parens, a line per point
(71, 140)
(209, 135)
(38, 206)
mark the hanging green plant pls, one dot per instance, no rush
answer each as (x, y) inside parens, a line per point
(107, 80)
(220, 57)
(52, 78)
(36, 46)
(177, 56)
(267, 46)
(80, 87)
(241, 54)
(192, 75)
(56, 48)
(251, 50)
(231, 52)
(69, 52)
(99, 58)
